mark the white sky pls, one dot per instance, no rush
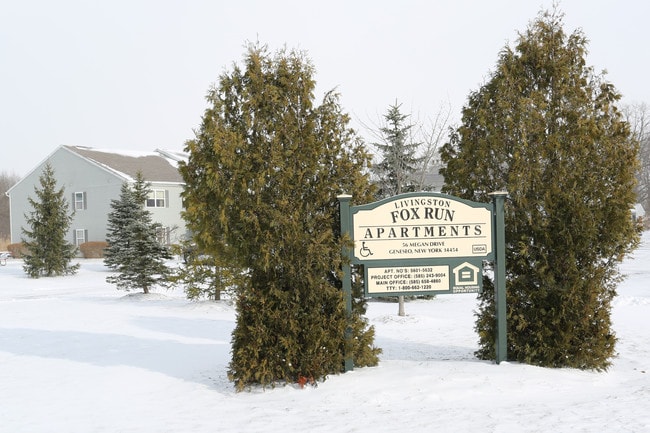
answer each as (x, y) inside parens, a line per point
(133, 73)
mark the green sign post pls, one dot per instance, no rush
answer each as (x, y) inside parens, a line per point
(425, 243)
(498, 199)
(344, 203)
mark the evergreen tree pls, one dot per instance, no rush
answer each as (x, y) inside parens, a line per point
(133, 248)
(48, 252)
(547, 129)
(395, 172)
(399, 163)
(121, 217)
(262, 178)
(204, 276)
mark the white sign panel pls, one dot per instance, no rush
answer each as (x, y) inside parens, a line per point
(419, 227)
(407, 279)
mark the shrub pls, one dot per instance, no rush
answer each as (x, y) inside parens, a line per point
(17, 250)
(93, 249)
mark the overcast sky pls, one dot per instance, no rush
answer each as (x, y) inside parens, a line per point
(133, 74)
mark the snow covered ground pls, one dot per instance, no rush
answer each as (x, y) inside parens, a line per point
(77, 356)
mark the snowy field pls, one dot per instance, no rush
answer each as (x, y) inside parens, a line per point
(77, 356)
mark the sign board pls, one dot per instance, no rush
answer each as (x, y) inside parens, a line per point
(421, 226)
(455, 277)
(426, 243)
(421, 243)
(407, 279)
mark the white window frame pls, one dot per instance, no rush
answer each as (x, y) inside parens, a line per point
(79, 200)
(157, 198)
(163, 235)
(79, 236)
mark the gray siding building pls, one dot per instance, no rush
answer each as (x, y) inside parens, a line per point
(92, 178)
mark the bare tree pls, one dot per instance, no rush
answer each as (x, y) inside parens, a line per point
(432, 132)
(638, 116)
(7, 180)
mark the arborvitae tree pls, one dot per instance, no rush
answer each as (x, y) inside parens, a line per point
(399, 163)
(48, 252)
(133, 248)
(262, 178)
(546, 128)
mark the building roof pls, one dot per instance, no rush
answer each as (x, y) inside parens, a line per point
(158, 166)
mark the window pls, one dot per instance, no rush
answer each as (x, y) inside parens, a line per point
(79, 199)
(157, 198)
(80, 236)
(163, 235)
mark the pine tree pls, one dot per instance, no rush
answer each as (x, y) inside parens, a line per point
(204, 276)
(546, 128)
(395, 172)
(122, 216)
(133, 248)
(262, 178)
(48, 252)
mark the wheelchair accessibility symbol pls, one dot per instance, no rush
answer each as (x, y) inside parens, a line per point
(364, 251)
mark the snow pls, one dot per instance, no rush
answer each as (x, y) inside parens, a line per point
(172, 156)
(76, 355)
(123, 152)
